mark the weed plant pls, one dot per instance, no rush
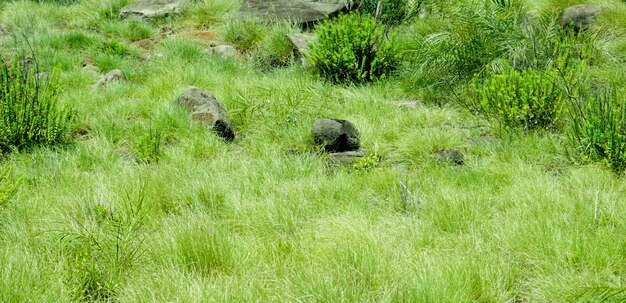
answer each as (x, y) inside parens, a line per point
(30, 112)
(353, 48)
(598, 128)
(528, 99)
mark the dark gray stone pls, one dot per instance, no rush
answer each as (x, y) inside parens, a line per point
(336, 135)
(304, 12)
(348, 157)
(301, 47)
(115, 75)
(150, 8)
(580, 17)
(451, 156)
(205, 109)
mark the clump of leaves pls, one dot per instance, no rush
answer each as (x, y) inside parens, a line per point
(147, 148)
(30, 113)
(353, 48)
(529, 99)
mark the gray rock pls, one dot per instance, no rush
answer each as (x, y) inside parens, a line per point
(347, 158)
(301, 47)
(150, 8)
(91, 69)
(451, 156)
(336, 135)
(205, 109)
(223, 51)
(115, 75)
(303, 12)
(580, 17)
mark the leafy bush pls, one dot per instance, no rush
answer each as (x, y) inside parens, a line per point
(530, 99)
(353, 48)
(148, 147)
(30, 113)
(393, 11)
(598, 128)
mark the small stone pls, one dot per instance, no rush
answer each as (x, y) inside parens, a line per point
(347, 158)
(204, 108)
(451, 156)
(301, 49)
(91, 69)
(336, 135)
(223, 51)
(115, 75)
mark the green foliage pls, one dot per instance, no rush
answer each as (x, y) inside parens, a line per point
(206, 13)
(30, 113)
(393, 11)
(353, 48)
(147, 148)
(102, 248)
(245, 34)
(366, 163)
(275, 50)
(111, 9)
(7, 187)
(529, 98)
(598, 128)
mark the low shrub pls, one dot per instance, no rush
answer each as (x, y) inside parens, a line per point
(598, 128)
(529, 98)
(29, 110)
(353, 48)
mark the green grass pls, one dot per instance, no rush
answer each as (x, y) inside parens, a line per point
(267, 218)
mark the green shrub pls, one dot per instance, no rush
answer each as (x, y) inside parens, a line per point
(7, 187)
(393, 11)
(29, 112)
(598, 129)
(529, 99)
(353, 48)
(147, 148)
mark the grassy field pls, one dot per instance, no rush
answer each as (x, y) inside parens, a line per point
(267, 218)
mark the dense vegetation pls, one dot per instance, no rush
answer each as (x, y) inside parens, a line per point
(112, 194)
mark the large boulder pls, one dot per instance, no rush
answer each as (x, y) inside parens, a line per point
(150, 8)
(304, 12)
(580, 17)
(205, 109)
(336, 135)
